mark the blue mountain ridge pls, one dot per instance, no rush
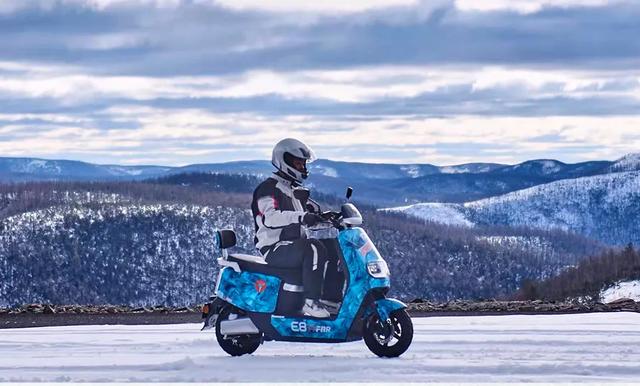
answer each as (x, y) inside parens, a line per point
(377, 183)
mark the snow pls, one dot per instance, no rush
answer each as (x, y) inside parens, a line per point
(447, 214)
(35, 166)
(122, 170)
(520, 348)
(630, 162)
(326, 171)
(467, 168)
(452, 170)
(532, 243)
(412, 171)
(627, 289)
(550, 166)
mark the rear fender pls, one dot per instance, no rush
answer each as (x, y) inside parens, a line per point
(210, 312)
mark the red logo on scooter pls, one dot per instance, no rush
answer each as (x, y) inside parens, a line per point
(366, 248)
(260, 285)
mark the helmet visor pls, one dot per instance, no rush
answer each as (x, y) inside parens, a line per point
(297, 163)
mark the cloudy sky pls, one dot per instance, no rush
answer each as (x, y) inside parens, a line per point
(188, 81)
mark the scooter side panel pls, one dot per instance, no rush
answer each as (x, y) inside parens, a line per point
(307, 328)
(351, 243)
(249, 291)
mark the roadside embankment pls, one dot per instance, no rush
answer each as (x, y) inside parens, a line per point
(41, 315)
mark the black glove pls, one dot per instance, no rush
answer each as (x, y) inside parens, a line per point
(311, 219)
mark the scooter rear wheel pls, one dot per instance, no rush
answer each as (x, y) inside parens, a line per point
(389, 338)
(235, 345)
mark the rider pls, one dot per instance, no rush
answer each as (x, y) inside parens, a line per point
(280, 221)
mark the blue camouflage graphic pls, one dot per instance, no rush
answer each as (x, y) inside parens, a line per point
(385, 307)
(358, 250)
(249, 290)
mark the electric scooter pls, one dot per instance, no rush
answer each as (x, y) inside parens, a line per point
(254, 302)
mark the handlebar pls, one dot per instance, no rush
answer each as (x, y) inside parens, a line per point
(329, 216)
(330, 220)
(332, 217)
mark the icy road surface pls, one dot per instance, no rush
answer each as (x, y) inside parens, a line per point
(588, 347)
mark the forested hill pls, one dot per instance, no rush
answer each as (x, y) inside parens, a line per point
(142, 243)
(589, 278)
(604, 207)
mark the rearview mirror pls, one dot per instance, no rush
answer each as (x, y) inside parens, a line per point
(349, 192)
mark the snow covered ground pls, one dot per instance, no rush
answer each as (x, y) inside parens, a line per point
(544, 348)
(626, 289)
(448, 214)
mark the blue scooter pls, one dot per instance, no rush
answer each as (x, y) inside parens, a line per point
(254, 302)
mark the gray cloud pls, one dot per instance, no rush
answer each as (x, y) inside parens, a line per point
(461, 99)
(205, 39)
(219, 49)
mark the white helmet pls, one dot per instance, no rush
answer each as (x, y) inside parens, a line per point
(290, 151)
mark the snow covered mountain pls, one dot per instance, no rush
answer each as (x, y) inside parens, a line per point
(630, 162)
(603, 207)
(34, 169)
(553, 168)
(380, 171)
(384, 184)
(379, 184)
(37, 169)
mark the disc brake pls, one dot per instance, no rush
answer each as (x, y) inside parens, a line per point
(385, 332)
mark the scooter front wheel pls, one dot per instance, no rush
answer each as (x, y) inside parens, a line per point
(389, 338)
(235, 345)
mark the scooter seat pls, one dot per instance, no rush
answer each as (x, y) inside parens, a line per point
(259, 265)
(249, 258)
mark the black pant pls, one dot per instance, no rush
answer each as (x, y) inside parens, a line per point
(310, 254)
(334, 276)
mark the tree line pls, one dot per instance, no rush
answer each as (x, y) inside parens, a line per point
(587, 278)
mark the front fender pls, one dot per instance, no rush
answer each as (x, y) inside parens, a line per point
(384, 307)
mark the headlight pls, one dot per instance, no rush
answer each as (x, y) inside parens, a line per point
(378, 269)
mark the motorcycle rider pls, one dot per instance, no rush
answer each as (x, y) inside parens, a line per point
(280, 220)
